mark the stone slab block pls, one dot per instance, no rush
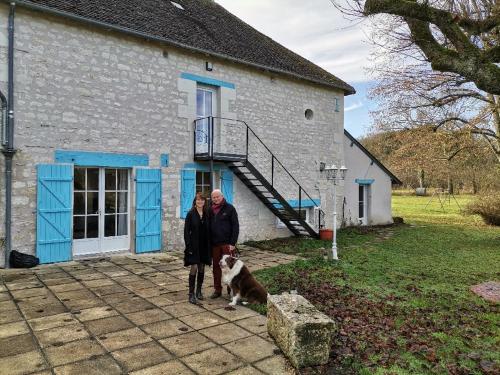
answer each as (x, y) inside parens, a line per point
(303, 333)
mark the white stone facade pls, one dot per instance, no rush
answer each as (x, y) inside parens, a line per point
(378, 194)
(82, 88)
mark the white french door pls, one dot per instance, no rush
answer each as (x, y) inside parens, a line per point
(101, 210)
(206, 104)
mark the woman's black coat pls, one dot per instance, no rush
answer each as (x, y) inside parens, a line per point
(197, 239)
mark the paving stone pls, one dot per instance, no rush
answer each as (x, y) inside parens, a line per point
(133, 305)
(160, 301)
(32, 302)
(103, 365)
(176, 296)
(166, 328)
(30, 292)
(107, 325)
(96, 313)
(127, 279)
(213, 361)
(22, 363)
(73, 351)
(138, 285)
(237, 313)
(248, 370)
(75, 295)
(275, 365)
(61, 335)
(110, 289)
(98, 283)
(17, 345)
(3, 288)
(252, 349)
(122, 339)
(183, 309)
(116, 298)
(266, 336)
(188, 343)
(203, 320)
(148, 316)
(90, 276)
(225, 333)
(60, 281)
(177, 287)
(4, 297)
(67, 287)
(85, 303)
(44, 310)
(10, 316)
(51, 321)
(255, 324)
(214, 304)
(7, 305)
(141, 356)
(167, 368)
(24, 285)
(149, 292)
(13, 329)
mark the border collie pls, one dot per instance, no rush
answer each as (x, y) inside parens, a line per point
(243, 285)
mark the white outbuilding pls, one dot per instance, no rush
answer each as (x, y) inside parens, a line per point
(368, 187)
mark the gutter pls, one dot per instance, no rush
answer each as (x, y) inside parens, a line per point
(348, 90)
(8, 148)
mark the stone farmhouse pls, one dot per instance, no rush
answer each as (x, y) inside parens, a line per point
(117, 111)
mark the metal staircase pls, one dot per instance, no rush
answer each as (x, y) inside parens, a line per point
(244, 152)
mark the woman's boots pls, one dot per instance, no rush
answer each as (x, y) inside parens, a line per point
(192, 297)
(199, 284)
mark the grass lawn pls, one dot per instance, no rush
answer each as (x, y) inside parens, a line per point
(400, 295)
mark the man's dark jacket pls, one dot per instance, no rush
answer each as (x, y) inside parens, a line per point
(224, 226)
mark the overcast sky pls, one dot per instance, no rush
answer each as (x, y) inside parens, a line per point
(317, 31)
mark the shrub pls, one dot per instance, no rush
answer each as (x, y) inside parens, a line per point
(488, 207)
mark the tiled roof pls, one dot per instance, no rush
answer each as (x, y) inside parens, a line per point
(202, 25)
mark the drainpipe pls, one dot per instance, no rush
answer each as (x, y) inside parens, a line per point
(8, 149)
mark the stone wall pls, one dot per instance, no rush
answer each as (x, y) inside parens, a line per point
(83, 88)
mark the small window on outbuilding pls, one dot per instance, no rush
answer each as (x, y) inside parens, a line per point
(309, 114)
(337, 105)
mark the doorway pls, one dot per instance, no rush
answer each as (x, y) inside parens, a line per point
(206, 105)
(363, 204)
(101, 210)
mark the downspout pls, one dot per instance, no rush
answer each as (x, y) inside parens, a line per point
(8, 149)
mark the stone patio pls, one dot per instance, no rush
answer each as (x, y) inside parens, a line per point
(129, 315)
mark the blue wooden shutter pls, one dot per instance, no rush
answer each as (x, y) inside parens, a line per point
(226, 184)
(148, 210)
(188, 190)
(54, 218)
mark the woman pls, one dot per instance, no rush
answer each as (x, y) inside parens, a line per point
(197, 240)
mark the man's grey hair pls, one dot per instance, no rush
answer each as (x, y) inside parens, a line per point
(217, 191)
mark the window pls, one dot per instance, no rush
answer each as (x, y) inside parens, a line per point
(337, 105)
(203, 183)
(309, 114)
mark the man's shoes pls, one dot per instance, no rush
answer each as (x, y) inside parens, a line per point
(215, 294)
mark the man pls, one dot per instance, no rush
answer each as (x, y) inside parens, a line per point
(224, 228)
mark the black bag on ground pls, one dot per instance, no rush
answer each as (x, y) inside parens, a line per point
(20, 260)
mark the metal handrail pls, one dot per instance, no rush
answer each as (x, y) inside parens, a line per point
(273, 158)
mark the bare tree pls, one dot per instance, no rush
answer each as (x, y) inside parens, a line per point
(437, 62)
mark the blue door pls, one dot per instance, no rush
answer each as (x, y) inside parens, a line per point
(54, 212)
(226, 184)
(148, 210)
